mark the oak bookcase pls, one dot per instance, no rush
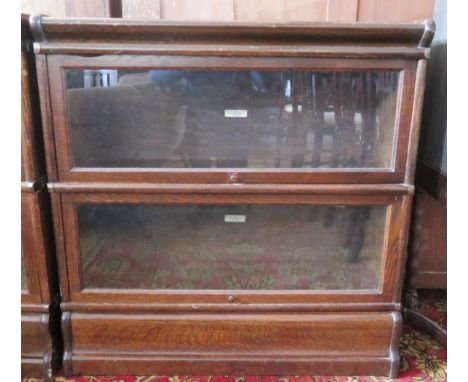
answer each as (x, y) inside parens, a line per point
(230, 196)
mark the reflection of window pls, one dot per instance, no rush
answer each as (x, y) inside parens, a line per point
(100, 78)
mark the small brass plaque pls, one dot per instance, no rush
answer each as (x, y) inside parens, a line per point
(234, 218)
(235, 113)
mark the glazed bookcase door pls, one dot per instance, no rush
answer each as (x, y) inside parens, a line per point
(240, 247)
(234, 120)
(207, 248)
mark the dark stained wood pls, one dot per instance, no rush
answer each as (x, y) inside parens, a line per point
(106, 364)
(178, 300)
(233, 50)
(431, 164)
(398, 265)
(432, 181)
(39, 209)
(41, 338)
(99, 36)
(337, 332)
(152, 188)
(248, 333)
(29, 163)
(46, 118)
(67, 343)
(395, 344)
(60, 246)
(433, 279)
(36, 345)
(32, 338)
(220, 197)
(49, 29)
(428, 243)
(142, 307)
(35, 308)
(32, 162)
(29, 202)
(416, 121)
(32, 366)
(40, 341)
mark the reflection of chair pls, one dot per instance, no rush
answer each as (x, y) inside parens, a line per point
(213, 137)
(345, 95)
(343, 107)
(355, 235)
(100, 78)
(355, 232)
(327, 105)
(124, 126)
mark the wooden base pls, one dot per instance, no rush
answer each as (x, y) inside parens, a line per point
(199, 344)
(36, 346)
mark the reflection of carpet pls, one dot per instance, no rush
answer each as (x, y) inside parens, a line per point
(192, 247)
(422, 360)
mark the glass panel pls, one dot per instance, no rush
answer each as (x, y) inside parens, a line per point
(24, 281)
(235, 119)
(231, 247)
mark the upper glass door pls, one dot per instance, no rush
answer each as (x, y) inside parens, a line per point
(232, 119)
(267, 124)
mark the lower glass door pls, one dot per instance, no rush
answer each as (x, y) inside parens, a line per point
(231, 247)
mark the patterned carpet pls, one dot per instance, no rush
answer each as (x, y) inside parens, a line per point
(422, 359)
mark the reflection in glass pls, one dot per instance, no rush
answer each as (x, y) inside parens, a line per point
(236, 119)
(267, 247)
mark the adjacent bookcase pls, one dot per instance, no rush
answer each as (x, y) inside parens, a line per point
(40, 298)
